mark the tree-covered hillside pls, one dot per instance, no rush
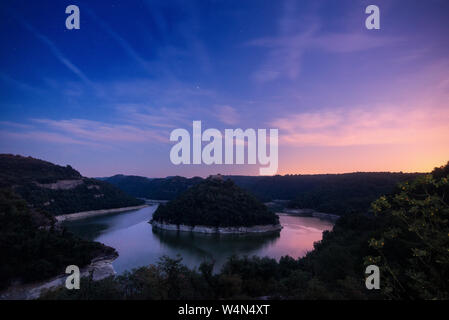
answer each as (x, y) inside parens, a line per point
(33, 248)
(347, 193)
(133, 185)
(16, 169)
(331, 193)
(218, 203)
(56, 189)
(157, 188)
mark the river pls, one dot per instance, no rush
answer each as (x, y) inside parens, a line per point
(138, 244)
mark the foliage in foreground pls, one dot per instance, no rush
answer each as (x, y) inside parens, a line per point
(413, 248)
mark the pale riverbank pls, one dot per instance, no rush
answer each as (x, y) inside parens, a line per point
(94, 213)
(99, 268)
(310, 213)
(224, 230)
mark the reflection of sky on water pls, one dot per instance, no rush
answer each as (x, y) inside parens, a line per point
(139, 244)
(197, 247)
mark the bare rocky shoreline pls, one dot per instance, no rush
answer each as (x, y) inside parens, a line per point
(311, 213)
(224, 230)
(94, 213)
(99, 268)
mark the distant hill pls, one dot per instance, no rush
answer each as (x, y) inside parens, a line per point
(133, 185)
(332, 193)
(157, 188)
(215, 202)
(57, 189)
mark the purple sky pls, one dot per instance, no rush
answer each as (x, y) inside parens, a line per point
(105, 98)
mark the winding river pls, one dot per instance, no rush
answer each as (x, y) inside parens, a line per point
(138, 244)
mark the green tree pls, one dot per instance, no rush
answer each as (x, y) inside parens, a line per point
(413, 249)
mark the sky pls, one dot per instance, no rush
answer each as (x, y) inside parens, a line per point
(106, 97)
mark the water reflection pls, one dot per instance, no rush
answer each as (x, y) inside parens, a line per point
(92, 228)
(217, 247)
(138, 244)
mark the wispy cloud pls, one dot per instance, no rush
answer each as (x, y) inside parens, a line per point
(226, 114)
(129, 50)
(351, 42)
(15, 125)
(82, 132)
(189, 29)
(285, 51)
(38, 136)
(284, 54)
(56, 52)
(97, 131)
(387, 124)
(19, 84)
(144, 115)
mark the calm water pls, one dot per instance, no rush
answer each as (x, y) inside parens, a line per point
(138, 244)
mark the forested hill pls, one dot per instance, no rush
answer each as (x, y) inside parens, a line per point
(57, 189)
(215, 202)
(34, 248)
(157, 188)
(332, 193)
